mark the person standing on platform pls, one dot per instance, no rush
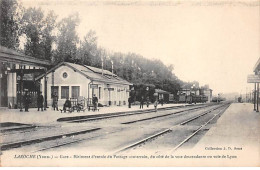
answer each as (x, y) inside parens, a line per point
(142, 103)
(129, 102)
(26, 100)
(155, 105)
(55, 101)
(162, 101)
(40, 101)
(95, 102)
(147, 101)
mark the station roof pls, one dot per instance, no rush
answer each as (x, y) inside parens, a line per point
(257, 65)
(88, 72)
(161, 91)
(98, 70)
(12, 56)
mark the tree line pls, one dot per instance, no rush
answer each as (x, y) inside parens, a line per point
(41, 35)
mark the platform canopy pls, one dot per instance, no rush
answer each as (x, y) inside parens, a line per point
(257, 66)
(17, 60)
(160, 91)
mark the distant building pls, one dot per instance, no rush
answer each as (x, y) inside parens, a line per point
(206, 92)
(162, 95)
(192, 94)
(70, 80)
(185, 95)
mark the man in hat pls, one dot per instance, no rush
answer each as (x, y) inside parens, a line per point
(40, 101)
(55, 101)
(155, 105)
(142, 102)
(26, 100)
(147, 101)
(95, 102)
(129, 102)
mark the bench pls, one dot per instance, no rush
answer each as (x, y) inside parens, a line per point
(78, 104)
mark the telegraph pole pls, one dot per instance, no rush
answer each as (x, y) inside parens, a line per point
(102, 60)
(257, 98)
(112, 67)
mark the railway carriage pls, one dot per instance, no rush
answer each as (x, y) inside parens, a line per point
(192, 98)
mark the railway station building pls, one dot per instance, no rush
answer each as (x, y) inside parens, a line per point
(69, 80)
(206, 92)
(255, 78)
(17, 74)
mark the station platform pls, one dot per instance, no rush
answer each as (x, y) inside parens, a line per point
(50, 116)
(235, 137)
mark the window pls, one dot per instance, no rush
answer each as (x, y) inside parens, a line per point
(54, 90)
(75, 92)
(64, 92)
(65, 75)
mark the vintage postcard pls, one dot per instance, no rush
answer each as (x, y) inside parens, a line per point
(158, 83)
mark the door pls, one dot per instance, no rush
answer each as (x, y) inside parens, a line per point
(3, 88)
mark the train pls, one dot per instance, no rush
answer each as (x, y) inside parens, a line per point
(218, 99)
(182, 98)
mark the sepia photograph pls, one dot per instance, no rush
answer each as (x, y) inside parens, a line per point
(129, 83)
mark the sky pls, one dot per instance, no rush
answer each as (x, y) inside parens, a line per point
(213, 43)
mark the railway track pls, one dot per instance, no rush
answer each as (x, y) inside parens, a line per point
(139, 112)
(169, 114)
(222, 108)
(21, 143)
(79, 119)
(197, 130)
(78, 136)
(72, 141)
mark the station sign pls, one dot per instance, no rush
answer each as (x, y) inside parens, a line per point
(109, 89)
(94, 86)
(251, 78)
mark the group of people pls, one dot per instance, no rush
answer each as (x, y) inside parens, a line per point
(67, 104)
(40, 102)
(142, 102)
(27, 100)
